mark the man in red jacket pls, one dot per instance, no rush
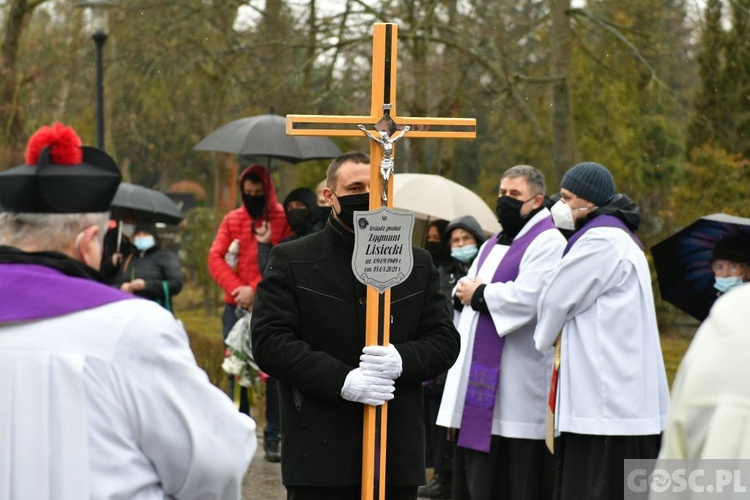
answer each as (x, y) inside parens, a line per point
(260, 212)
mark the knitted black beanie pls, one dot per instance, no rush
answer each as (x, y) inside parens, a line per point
(590, 181)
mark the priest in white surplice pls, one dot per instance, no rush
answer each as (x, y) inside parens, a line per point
(100, 395)
(613, 396)
(495, 392)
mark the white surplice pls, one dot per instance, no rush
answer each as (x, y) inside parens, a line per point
(612, 379)
(524, 372)
(109, 403)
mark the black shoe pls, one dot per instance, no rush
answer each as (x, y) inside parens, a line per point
(272, 451)
(439, 487)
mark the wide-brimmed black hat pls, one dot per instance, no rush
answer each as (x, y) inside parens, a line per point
(60, 176)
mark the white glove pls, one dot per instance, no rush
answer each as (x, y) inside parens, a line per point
(367, 389)
(381, 361)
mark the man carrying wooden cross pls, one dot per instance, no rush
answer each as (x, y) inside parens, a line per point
(309, 331)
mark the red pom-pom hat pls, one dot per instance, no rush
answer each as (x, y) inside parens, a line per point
(60, 176)
(63, 142)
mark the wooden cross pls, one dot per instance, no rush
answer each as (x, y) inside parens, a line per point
(385, 123)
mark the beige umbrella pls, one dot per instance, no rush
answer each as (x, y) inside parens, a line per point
(433, 197)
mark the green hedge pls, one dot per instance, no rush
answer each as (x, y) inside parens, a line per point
(209, 354)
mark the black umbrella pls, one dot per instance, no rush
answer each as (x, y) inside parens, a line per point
(144, 205)
(683, 261)
(265, 135)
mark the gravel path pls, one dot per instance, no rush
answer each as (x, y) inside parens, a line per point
(263, 478)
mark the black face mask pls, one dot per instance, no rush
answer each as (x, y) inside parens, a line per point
(298, 219)
(351, 203)
(509, 216)
(254, 205)
(438, 250)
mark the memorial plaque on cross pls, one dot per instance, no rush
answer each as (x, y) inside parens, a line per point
(383, 127)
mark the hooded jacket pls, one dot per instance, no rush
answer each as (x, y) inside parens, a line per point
(454, 268)
(238, 224)
(314, 220)
(468, 223)
(620, 206)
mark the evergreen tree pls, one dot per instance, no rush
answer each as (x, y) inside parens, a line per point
(736, 78)
(708, 101)
(721, 108)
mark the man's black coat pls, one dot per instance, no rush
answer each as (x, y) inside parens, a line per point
(308, 331)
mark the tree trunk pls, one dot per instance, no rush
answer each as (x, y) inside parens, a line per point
(226, 174)
(564, 148)
(416, 160)
(312, 47)
(11, 112)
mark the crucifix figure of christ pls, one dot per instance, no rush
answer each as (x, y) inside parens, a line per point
(384, 119)
(386, 163)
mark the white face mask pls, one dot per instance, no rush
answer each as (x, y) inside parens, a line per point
(563, 215)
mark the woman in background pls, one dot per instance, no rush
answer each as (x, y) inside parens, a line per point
(150, 271)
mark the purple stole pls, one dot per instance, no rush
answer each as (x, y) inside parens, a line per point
(484, 374)
(32, 292)
(601, 221)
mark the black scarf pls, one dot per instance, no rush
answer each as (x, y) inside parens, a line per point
(54, 260)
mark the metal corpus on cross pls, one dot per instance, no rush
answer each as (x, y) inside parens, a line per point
(387, 128)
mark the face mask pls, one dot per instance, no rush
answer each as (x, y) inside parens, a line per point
(254, 205)
(438, 251)
(563, 216)
(351, 203)
(143, 243)
(297, 218)
(725, 284)
(465, 253)
(128, 229)
(508, 212)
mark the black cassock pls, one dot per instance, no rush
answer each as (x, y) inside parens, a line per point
(517, 469)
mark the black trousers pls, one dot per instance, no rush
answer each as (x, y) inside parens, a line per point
(517, 469)
(272, 432)
(592, 466)
(346, 493)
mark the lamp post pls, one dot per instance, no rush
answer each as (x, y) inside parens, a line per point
(98, 27)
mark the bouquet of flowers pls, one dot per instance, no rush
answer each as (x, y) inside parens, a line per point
(239, 354)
